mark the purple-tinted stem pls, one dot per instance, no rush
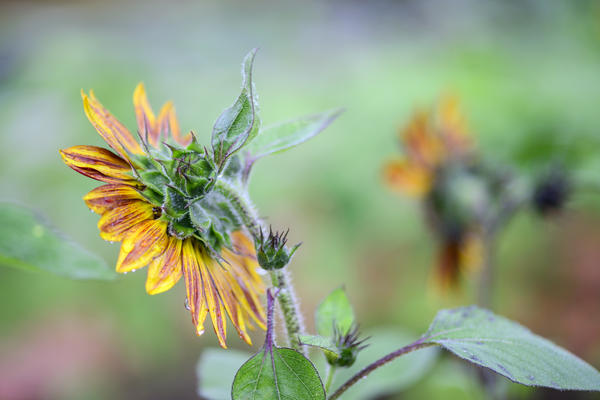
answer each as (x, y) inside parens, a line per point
(270, 337)
(419, 344)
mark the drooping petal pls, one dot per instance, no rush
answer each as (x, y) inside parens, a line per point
(97, 163)
(166, 270)
(214, 304)
(142, 244)
(146, 120)
(115, 223)
(111, 130)
(107, 197)
(409, 178)
(193, 285)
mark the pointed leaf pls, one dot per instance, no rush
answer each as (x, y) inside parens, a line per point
(336, 308)
(280, 373)
(479, 336)
(238, 124)
(283, 136)
(28, 242)
(325, 344)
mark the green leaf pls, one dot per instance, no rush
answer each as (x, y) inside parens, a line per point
(215, 371)
(394, 377)
(325, 344)
(336, 308)
(284, 136)
(238, 124)
(28, 242)
(277, 373)
(479, 336)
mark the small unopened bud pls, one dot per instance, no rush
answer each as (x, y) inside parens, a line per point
(348, 346)
(551, 192)
(272, 252)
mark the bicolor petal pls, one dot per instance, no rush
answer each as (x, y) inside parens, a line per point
(193, 285)
(107, 197)
(117, 222)
(142, 244)
(111, 130)
(165, 270)
(97, 163)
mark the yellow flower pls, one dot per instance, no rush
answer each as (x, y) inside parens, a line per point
(431, 142)
(221, 285)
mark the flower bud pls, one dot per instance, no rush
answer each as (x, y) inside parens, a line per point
(348, 347)
(551, 192)
(272, 252)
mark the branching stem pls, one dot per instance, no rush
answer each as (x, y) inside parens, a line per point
(419, 344)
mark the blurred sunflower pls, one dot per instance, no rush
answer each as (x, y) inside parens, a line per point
(155, 191)
(440, 169)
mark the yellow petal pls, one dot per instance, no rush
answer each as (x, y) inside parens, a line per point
(409, 178)
(193, 285)
(166, 270)
(167, 124)
(142, 244)
(144, 115)
(107, 197)
(115, 223)
(111, 130)
(214, 304)
(97, 163)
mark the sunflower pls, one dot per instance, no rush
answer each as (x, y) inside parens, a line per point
(159, 201)
(438, 156)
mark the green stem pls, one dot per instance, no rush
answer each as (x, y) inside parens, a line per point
(330, 374)
(289, 308)
(280, 278)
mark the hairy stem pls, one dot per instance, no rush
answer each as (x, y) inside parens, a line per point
(289, 308)
(280, 278)
(419, 344)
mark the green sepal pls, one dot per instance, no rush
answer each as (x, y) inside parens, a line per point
(182, 228)
(154, 180)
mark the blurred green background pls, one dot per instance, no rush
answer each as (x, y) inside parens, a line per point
(528, 74)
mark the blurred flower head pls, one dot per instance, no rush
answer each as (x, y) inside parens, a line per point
(160, 201)
(440, 168)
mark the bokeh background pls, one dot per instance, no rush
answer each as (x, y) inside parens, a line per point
(528, 75)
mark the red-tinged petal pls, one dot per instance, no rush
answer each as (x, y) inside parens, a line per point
(144, 115)
(97, 163)
(409, 178)
(213, 301)
(116, 223)
(142, 244)
(107, 197)
(193, 285)
(166, 270)
(111, 130)
(230, 297)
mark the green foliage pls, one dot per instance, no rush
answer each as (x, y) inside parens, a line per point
(334, 310)
(326, 344)
(215, 371)
(239, 123)
(479, 336)
(283, 136)
(28, 242)
(392, 378)
(277, 373)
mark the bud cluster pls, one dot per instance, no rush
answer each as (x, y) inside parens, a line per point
(271, 251)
